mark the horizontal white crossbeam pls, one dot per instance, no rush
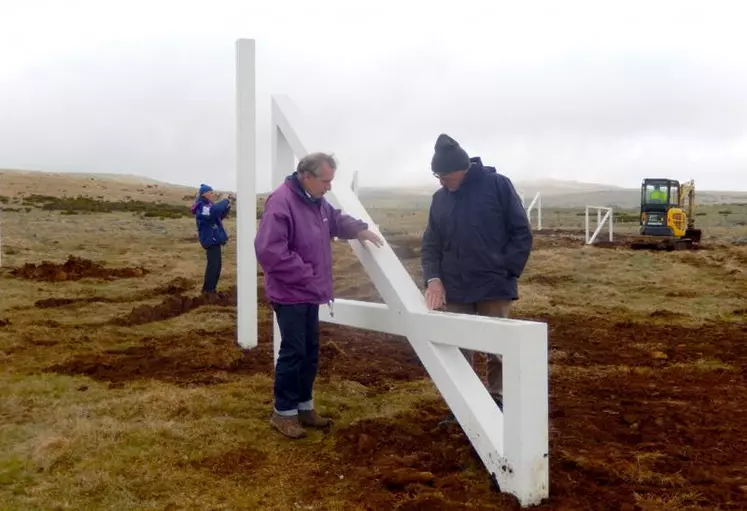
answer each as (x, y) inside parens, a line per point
(489, 335)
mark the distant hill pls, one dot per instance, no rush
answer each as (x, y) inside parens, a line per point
(114, 187)
(555, 193)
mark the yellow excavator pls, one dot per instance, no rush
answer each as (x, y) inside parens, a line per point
(667, 216)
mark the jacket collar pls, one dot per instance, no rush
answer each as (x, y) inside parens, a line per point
(474, 174)
(292, 182)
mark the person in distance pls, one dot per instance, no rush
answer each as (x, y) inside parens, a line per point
(475, 245)
(294, 249)
(209, 216)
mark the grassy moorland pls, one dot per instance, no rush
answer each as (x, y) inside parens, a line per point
(124, 390)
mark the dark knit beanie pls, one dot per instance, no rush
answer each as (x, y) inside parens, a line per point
(449, 156)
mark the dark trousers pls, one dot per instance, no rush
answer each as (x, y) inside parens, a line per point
(212, 269)
(298, 359)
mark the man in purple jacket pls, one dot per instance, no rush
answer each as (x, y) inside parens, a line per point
(294, 248)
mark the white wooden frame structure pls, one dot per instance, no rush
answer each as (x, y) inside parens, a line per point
(536, 202)
(601, 220)
(512, 445)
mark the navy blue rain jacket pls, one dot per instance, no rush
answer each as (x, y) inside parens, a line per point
(209, 219)
(478, 238)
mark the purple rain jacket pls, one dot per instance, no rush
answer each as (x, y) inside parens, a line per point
(294, 244)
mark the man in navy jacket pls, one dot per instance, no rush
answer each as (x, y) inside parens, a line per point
(476, 243)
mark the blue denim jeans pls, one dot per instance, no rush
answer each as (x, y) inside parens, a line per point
(298, 359)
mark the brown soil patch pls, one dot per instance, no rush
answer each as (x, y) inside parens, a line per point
(174, 287)
(174, 306)
(663, 313)
(413, 463)
(48, 303)
(682, 294)
(4, 322)
(202, 358)
(557, 238)
(241, 462)
(548, 280)
(75, 268)
(369, 358)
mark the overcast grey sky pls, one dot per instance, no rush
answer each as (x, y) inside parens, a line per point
(562, 90)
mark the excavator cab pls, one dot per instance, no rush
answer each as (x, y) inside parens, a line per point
(664, 223)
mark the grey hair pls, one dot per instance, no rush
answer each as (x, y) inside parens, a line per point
(312, 163)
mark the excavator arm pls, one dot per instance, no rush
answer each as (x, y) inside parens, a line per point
(687, 193)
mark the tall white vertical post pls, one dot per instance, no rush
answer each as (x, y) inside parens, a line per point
(246, 203)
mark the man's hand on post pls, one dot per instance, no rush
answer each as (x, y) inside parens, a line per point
(366, 235)
(435, 295)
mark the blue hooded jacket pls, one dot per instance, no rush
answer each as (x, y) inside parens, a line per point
(478, 238)
(209, 219)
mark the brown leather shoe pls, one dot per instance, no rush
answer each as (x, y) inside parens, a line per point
(288, 426)
(312, 419)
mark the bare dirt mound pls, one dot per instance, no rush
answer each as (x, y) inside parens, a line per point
(371, 359)
(375, 360)
(174, 306)
(239, 463)
(49, 303)
(75, 268)
(176, 286)
(548, 280)
(411, 463)
(557, 238)
(575, 238)
(604, 341)
(667, 417)
(202, 358)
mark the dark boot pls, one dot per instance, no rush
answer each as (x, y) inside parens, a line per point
(313, 420)
(288, 426)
